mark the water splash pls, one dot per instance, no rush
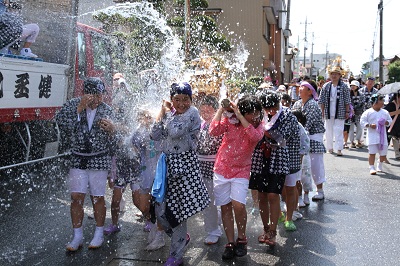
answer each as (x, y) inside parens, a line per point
(153, 84)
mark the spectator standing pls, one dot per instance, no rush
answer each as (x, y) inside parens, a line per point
(28, 34)
(394, 130)
(335, 105)
(358, 102)
(376, 119)
(368, 91)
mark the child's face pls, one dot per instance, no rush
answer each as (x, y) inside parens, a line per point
(207, 112)
(253, 118)
(285, 103)
(379, 104)
(272, 111)
(146, 120)
(181, 103)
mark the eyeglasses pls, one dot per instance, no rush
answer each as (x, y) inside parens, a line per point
(116, 79)
(371, 78)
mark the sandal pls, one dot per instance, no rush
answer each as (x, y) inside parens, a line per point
(229, 252)
(261, 238)
(270, 238)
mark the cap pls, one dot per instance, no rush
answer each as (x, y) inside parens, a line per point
(355, 83)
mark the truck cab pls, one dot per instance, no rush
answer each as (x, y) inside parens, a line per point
(32, 91)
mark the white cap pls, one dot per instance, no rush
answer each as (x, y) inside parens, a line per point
(355, 83)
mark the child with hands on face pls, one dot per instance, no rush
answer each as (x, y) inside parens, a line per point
(232, 167)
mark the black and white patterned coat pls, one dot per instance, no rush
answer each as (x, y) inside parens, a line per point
(185, 193)
(10, 29)
(207, 146)
(367, 96)
(314, 123)
(280, 157)
(342, 99)
(84, 141)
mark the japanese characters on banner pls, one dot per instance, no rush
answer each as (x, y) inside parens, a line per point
(32, 85)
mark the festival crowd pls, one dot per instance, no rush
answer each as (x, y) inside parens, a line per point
(204, 154)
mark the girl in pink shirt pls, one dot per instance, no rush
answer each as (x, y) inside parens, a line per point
(242, 131)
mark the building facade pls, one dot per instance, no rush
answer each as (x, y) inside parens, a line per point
(259, 24)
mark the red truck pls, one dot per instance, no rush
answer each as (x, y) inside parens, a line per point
(32, 91)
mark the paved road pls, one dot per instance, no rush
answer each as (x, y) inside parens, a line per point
(357, 224)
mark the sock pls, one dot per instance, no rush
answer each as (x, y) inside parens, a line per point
(320, 190)
(98, 237)
(78, 232)
(371, 167)
(77, 240)
(99, 231)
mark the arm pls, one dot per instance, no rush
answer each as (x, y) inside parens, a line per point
(388, 119)
(347, 101)
(158, 131)
(322, 99)
(239, 116)
(364, 120)
(217, 127)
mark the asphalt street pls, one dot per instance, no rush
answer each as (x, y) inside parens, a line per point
(356, 224)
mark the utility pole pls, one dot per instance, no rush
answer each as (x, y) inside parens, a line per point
(380, 8)
(326, 60)
(312, 55)
(287, 33)
(305, 44)
(187, 30)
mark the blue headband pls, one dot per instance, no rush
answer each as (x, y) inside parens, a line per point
(181, 88)
(93, 86)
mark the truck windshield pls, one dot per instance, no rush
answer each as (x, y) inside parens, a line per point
(81, 55)
(102, 56)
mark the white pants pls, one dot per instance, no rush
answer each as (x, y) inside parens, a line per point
(29, 32)
(334, 134)
(358, 131)
(211, 223)
(317, 168)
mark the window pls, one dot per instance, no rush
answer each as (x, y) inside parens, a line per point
(81, 55)
(267, 29)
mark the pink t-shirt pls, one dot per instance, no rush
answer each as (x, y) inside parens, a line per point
(234, 155)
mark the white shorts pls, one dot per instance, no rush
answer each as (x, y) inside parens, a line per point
(374, 149)
(291, 179)
(226, 190)
(80, 180)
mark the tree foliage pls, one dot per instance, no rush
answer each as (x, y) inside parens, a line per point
(204, 33)
(193, 3)
(394, 72)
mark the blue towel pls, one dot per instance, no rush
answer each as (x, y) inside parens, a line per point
(160, 179)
